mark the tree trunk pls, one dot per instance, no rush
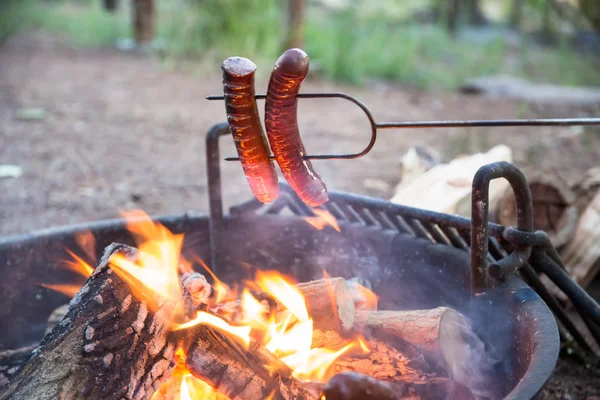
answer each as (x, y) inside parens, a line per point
(294, 23)
(547, 28)
(453, 14)
(111, 5)
(475, 14)
(143, 20)
(516, 14)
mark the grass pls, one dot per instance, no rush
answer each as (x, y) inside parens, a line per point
(84, 24)
(346, 46)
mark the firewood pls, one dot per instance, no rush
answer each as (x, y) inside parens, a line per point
(582, 254)
(196, 291)
(448, 186)
(109, 345)
(329, 302)
(240, 373)
(354, 386)
(425, 329)
(554, 209)
(444, 336)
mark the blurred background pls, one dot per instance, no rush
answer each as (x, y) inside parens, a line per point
(102, 102)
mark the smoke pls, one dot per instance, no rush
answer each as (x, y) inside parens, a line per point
(468, 361)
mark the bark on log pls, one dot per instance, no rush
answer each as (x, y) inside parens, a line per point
(238, 373)
(582, 254)
(108, 346)
(554, 210)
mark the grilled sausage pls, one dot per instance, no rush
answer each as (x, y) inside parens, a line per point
(246, 128)
(282, 127)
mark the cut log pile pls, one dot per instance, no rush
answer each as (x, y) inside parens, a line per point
(109, 344)
(566, 206)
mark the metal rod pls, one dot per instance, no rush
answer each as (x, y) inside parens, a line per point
(215, 197)
(552, 303)
(582, 301)
(490, 123)
(375, 126)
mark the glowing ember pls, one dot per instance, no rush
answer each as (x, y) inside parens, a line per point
(322, 219)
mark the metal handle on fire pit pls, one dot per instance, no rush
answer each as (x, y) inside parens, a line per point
(417, 124)
(479, 223)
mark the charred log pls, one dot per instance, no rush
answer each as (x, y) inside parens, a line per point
(109, 345)
(239, 373)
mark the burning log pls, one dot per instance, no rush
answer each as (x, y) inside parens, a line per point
(109, 345)
(239, 373)
(437, 331)
(329, 302)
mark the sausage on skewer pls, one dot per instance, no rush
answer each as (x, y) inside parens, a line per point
(282, 127)
(246, 128)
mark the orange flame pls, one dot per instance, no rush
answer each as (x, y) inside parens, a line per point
(66, 289)
(183, 385)
(322, 219)
(285, 331)
(156, 269)
(86, 242)
(240, 332)
(79, 265)
(222, 291)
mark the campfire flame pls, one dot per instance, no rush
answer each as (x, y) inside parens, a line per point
(286, 332)
(322, 219)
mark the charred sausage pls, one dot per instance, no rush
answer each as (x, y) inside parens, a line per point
(282, 127)
(246, 128)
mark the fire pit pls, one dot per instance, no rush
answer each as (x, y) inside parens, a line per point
(412, 259)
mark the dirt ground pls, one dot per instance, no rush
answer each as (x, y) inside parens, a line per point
(122, 132)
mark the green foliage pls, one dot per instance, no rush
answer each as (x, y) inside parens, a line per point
(352, 45)
(249, 28)
(85, 23)
(11, 15)
(352, 49)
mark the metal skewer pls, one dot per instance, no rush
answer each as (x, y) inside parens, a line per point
(419, 124)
